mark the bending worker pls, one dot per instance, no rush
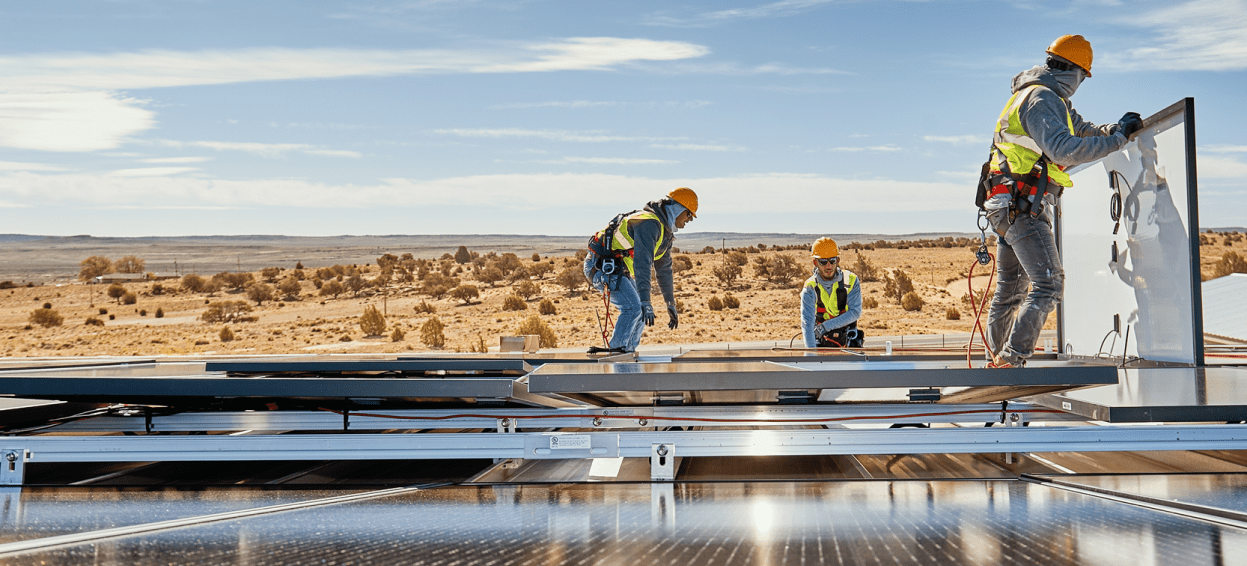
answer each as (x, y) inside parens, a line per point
(831, 301)
(1037, 136)
(623, 256)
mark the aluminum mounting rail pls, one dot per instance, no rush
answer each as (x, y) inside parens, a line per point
(598, 418)
(15, 452)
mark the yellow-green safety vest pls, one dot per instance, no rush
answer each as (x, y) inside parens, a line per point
(623, 239)
(824, 298)
(1011, 142)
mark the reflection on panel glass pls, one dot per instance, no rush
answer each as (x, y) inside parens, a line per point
(29, 514)
(1133, 271)
(869, 522)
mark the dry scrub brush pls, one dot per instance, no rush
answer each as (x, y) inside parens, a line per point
(535, 326)
(431, 333)
(372, 322)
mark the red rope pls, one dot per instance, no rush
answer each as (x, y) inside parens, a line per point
(608, 326)
(979, 307)
(701, 419)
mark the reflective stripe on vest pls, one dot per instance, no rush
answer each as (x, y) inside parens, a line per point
(624, 241)
(1012, 144)
(824, 314)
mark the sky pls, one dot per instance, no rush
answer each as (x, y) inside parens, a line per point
(206, 117)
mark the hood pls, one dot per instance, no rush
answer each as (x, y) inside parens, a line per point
(662, 208)
(1064, 83)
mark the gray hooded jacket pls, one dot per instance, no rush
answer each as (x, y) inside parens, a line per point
(1043, 117)
(645, 234)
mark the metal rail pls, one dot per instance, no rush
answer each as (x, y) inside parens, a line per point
(17, 451)
(598, 418)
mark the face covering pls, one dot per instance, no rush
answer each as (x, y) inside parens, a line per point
(673, 210)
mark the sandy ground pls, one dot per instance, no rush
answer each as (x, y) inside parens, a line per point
(314, 324)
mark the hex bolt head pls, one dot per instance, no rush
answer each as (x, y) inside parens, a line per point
(11, 456)
(597, 421)
(1014, 417)
(662, 449)
(642, 422)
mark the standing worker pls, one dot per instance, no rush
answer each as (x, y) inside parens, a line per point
(612, 267)
(831, 301)
(1038, 135)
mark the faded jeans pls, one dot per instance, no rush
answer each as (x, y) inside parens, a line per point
(628, 323)
(1026, 254)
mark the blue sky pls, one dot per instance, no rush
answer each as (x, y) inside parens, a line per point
(136, 117)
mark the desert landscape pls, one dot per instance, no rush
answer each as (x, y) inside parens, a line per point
(309, 300)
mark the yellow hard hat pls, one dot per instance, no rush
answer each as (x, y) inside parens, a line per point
(686, 197)
(1075, 49)
(825, 248)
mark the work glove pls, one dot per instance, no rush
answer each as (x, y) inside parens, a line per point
(1130, 123)
(647, 314)
(674, 317)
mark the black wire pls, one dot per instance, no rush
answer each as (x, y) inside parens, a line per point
(1105, 339)
(1114, 202)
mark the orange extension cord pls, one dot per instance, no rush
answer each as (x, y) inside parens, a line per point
(979, 307)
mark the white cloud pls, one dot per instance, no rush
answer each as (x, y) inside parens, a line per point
(160, 68)
(868, 148)
(261, 149)
(152, 171)
(69, 121)
(739, 194)
(71, 101)
(615, 160)
(335, 153)
(966, 139)
(1223, 148)
(690, 104)
(773, 9)
(176, 160)
(697, 147)
(18, 166)
(1201, 35)
(730, 68)
(1220, 168)
(592, 136)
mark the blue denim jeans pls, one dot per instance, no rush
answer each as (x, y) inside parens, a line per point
(1026, 254)
(628, 324)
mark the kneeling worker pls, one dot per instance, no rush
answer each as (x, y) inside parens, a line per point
(831, 301)
(623, 256)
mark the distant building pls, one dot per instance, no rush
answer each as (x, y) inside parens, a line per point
(1225, 312)
(162, 275)
(121, 278)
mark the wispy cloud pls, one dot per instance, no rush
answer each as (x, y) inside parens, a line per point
(335, 153)
(271, 150)
(71, 101)
(1215, 148)
(176, 160)
(616, 160)
(1221, 168)
(959, 140)
(1200, 35)
(690, 104)
(697, 147)
(770, 10)
(160, 68)
(591, 136)
(532, 192)
(736, 69)
(19, 166)
(867, 148)
(152, 171)
(69, 121)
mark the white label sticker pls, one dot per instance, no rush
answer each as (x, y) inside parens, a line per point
(1067, 406)
(570, 442)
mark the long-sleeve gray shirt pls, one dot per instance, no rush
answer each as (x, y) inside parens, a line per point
(645, 234)
(810, 330)
(1043, 118)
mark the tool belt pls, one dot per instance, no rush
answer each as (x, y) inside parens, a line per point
(847, 336)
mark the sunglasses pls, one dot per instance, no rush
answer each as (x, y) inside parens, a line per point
(831, 261)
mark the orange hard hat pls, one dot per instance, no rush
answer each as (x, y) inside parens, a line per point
(1075, 49)
(686, 197)
(825, 248)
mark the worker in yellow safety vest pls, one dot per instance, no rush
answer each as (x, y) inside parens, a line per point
(1037, 136)
(831, 301)
(622, 258)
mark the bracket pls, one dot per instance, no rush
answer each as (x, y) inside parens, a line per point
(662, 462)
(12, 466)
